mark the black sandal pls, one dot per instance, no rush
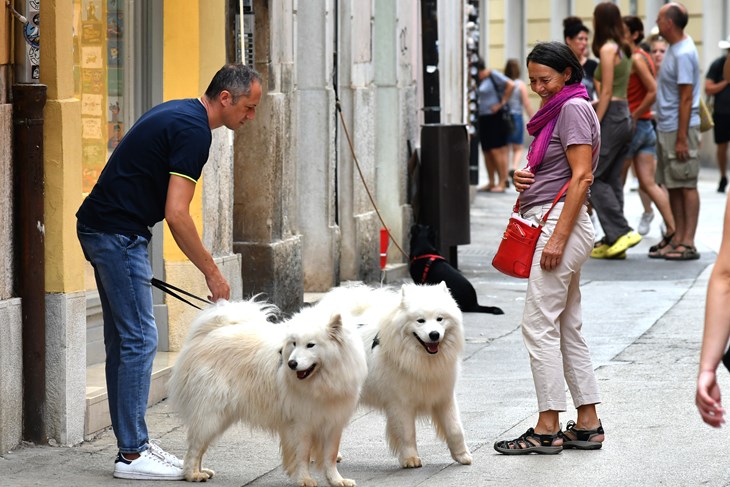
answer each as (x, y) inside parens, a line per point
(530, 442)
(582, 439)
(654, 249)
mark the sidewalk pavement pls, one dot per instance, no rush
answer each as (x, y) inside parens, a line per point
(643, 321)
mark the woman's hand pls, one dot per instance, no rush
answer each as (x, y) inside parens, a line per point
(523, 179)
(552, 254)
(708, 399)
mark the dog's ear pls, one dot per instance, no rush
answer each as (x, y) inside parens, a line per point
(334, 328)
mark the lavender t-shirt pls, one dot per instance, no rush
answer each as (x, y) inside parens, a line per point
(577, 124)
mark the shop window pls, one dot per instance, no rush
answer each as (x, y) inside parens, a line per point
(99, 35)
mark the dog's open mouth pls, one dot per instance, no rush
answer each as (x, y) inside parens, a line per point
(303, 374)
(432, 348)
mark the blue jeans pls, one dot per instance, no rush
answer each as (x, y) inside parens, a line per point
(123, 272)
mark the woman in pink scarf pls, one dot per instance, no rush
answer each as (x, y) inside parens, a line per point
(565, 149)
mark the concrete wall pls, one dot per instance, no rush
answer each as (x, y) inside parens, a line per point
(11, 352)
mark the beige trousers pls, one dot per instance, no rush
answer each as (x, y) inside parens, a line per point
(552, 320)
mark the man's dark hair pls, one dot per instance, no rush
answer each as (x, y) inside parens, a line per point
(678, 15)
(233, 78)
(559, 57)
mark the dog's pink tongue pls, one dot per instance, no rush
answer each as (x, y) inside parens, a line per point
(433, 347)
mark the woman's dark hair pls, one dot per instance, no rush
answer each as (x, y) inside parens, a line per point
(609, 27)
(558, 56)
(480, 64)
(512, 69)
(572, 26)
(635, 25)
(233, 78)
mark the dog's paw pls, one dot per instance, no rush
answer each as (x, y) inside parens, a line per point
(208, 472)
(494, 310)
(463, 458)
(344, 483)
(197, 476)
(307, 482)
(411, 462)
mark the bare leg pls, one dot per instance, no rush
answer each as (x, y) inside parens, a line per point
(517, 150)
(548, 423)
(645, 167)
(491, 168)
(499, 156)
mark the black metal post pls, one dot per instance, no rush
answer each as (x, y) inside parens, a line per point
(28, 103)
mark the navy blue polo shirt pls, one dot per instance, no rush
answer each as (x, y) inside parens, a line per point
(129, 197)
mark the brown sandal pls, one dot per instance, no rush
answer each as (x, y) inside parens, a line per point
(655, 251)
(531, 442)
(582, 439)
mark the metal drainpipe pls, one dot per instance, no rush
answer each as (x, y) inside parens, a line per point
(28, 103)
(29, 98)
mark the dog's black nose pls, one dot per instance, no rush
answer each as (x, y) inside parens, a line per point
(434, 336)
(292, 364)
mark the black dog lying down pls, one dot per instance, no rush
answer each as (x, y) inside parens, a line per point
(428, 267)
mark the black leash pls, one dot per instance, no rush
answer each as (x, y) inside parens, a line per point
(170, 289)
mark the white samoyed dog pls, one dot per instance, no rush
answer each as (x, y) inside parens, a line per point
(413, 339)
(300, 380)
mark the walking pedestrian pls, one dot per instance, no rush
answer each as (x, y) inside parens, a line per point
(565, 149)
(612, 109)
(641, 94)
(678, 133)
(717, 86)
(152, 175)
(519, 103)
(495, 90)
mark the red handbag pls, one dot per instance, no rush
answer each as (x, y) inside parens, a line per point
(515, 252)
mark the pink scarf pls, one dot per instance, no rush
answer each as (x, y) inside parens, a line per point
(543, 123)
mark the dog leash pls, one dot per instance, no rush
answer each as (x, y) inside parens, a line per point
(170, 289)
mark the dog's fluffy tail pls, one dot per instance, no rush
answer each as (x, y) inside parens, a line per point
(225, 313)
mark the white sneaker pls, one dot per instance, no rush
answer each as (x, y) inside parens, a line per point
(169, 457)
(645, 223)
(149, 466)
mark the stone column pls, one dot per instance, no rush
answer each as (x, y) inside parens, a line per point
(358, 221)
(265, 192)
(315, 154)
(394, 39)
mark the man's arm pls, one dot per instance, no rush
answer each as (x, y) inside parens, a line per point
(726, 69)
(685, 111)
(177, 214)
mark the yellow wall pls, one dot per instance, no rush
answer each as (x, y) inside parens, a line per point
(62, 152)
(194, 49)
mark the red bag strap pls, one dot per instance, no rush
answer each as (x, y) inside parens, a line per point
(516, 208)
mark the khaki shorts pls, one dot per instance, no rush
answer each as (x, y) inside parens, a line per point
(670, 171)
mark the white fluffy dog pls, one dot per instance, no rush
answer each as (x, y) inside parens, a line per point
(413, 340)
(300, 380)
